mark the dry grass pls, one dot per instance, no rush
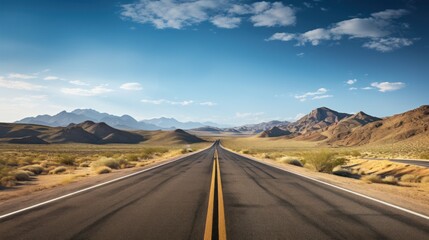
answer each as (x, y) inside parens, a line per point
(58, 170)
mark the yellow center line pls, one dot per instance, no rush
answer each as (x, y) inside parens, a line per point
(215, 189)
(209, 220)
(221, 208)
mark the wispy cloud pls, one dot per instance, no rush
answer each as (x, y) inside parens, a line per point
(52, 78)
(21, 76)
(352, 88)
(79, 83)
(388, 86)
(248, 114)
(94, 91)
(210, 104)
(19, 85)
(351, 81)
(164, 101)
(223, 14)
(378, 28)
(318, 94)
(132, 86)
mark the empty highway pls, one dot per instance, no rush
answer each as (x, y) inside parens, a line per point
(172, 202)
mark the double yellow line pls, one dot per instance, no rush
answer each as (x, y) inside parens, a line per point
(212, 231)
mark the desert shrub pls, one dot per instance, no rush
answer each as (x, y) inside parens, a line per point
(424, 179)
(294, 162)
(26, 161)
(36, 169)
(186, 150)
(58, 170)
(132, 157)
(66, 160)
(323, 161)
(409, 178)
(21, 175)
(7, 181)
(107, 162)
(343, 172)
(372, 179)
(84, 164)
(355, 153)
(390, 180)
(103, 170)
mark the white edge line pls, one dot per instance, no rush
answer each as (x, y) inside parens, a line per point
(96, 186)
(337, 187)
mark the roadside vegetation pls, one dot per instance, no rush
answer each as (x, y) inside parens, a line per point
(345, 162)
(24, 163)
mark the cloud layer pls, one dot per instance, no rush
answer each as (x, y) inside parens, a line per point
(378, 28)
(221, 13)
(318, 94)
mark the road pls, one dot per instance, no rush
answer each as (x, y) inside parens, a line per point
(421, 163)
(170, 202)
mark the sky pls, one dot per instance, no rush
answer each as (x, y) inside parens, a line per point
(226, 61)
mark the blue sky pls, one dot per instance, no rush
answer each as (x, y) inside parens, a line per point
(225, 61)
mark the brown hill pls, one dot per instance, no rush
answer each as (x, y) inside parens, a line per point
(318, 119)
(345, 127)
(274, 132)
(409, 125)
(177, 136)
(107, 134)
(70, 134)
(27, 140)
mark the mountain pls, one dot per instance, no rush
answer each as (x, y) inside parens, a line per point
(274, 132)
(260, 127)
(412, 125)
(86, 132)
(124, 122)
(171, 123)
(318, 119)
(345, 127)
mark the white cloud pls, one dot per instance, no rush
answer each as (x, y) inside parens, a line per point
(318, 94)
(322, 97)
(97, 90)
(224, 14)
(132, 86)
(210, 104)
(164, 101)
(21, 76)
(378, 28)
(367, 88)
(299, 116)
(300, 54)
(282, 37)
(388, 44)
(19, 85)
(51, 78)
(274, 14)
(169, 13)
(388, 86)
(351, 81)
(79, 83)
(352, 88)
(226, 22)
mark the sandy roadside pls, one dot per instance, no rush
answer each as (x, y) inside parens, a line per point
(412, 196)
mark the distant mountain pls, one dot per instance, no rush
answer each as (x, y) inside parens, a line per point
(177, 136)
(318, 119)
(345, 127)
(86, 132)
(274, 132)
(260, 127)
(124, 122)
(412, 125)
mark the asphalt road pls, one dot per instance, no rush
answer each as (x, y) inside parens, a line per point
(170, 202)
(262, 202)
(421, 163)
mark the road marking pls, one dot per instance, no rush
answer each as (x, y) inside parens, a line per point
(337, 187)
(209, 219)
(215, 188)
(221, 208)
(96, 186)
